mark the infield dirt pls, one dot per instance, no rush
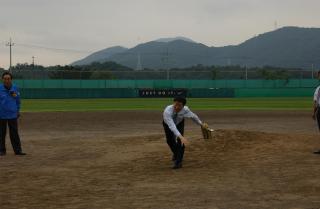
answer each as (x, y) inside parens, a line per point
(257, 159)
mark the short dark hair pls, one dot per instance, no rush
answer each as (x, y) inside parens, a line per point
(319, 72)
(6, 73)
(181, 100)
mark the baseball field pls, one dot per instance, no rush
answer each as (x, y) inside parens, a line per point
(112, 153)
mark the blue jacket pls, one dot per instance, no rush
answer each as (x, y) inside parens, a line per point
(9, 102)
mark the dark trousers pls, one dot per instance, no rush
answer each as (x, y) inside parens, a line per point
(14, 135)
(174, 143)
(318, 117)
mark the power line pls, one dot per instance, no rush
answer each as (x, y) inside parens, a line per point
(53, 49)
(90, 52)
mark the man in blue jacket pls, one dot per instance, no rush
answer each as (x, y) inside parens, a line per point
(9, 114)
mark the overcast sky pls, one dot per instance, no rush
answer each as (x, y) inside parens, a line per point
(84, 26)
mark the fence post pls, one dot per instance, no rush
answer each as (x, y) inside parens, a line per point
(312, 75)
(246, 73)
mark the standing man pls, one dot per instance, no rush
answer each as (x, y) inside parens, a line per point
(173, 124)
(9, 113)
(316, 106)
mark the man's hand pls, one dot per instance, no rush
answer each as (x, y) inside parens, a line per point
(315, 110)
(184, 141)
(204, 125)
(19, 115)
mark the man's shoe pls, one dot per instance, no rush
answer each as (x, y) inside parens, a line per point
(2, 153)
(177, 166)
(317, 152)
(20, 153)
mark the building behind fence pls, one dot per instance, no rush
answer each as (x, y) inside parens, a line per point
(165, 74)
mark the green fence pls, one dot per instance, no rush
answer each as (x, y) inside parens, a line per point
(188, 84)
(196, 88)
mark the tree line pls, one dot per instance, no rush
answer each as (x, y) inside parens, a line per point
(112, 70)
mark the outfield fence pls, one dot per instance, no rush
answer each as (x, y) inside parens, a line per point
(194, 88)
(154, 84)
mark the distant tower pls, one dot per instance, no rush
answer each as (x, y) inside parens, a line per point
(139, 66)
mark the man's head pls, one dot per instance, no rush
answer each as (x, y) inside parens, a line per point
(179, 103)
(7, 79)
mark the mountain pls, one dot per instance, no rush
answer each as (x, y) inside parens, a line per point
(157, 55)
(290, 47)
(166, 40)
(100, 56)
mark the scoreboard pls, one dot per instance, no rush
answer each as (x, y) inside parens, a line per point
(155, 93)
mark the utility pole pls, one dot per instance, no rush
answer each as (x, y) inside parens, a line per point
(167, 64)
(33, 61)
(165, 60)
(139, 66)
(229, 62)
(10, 44)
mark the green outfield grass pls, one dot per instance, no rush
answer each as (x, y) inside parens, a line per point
(47, 105)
